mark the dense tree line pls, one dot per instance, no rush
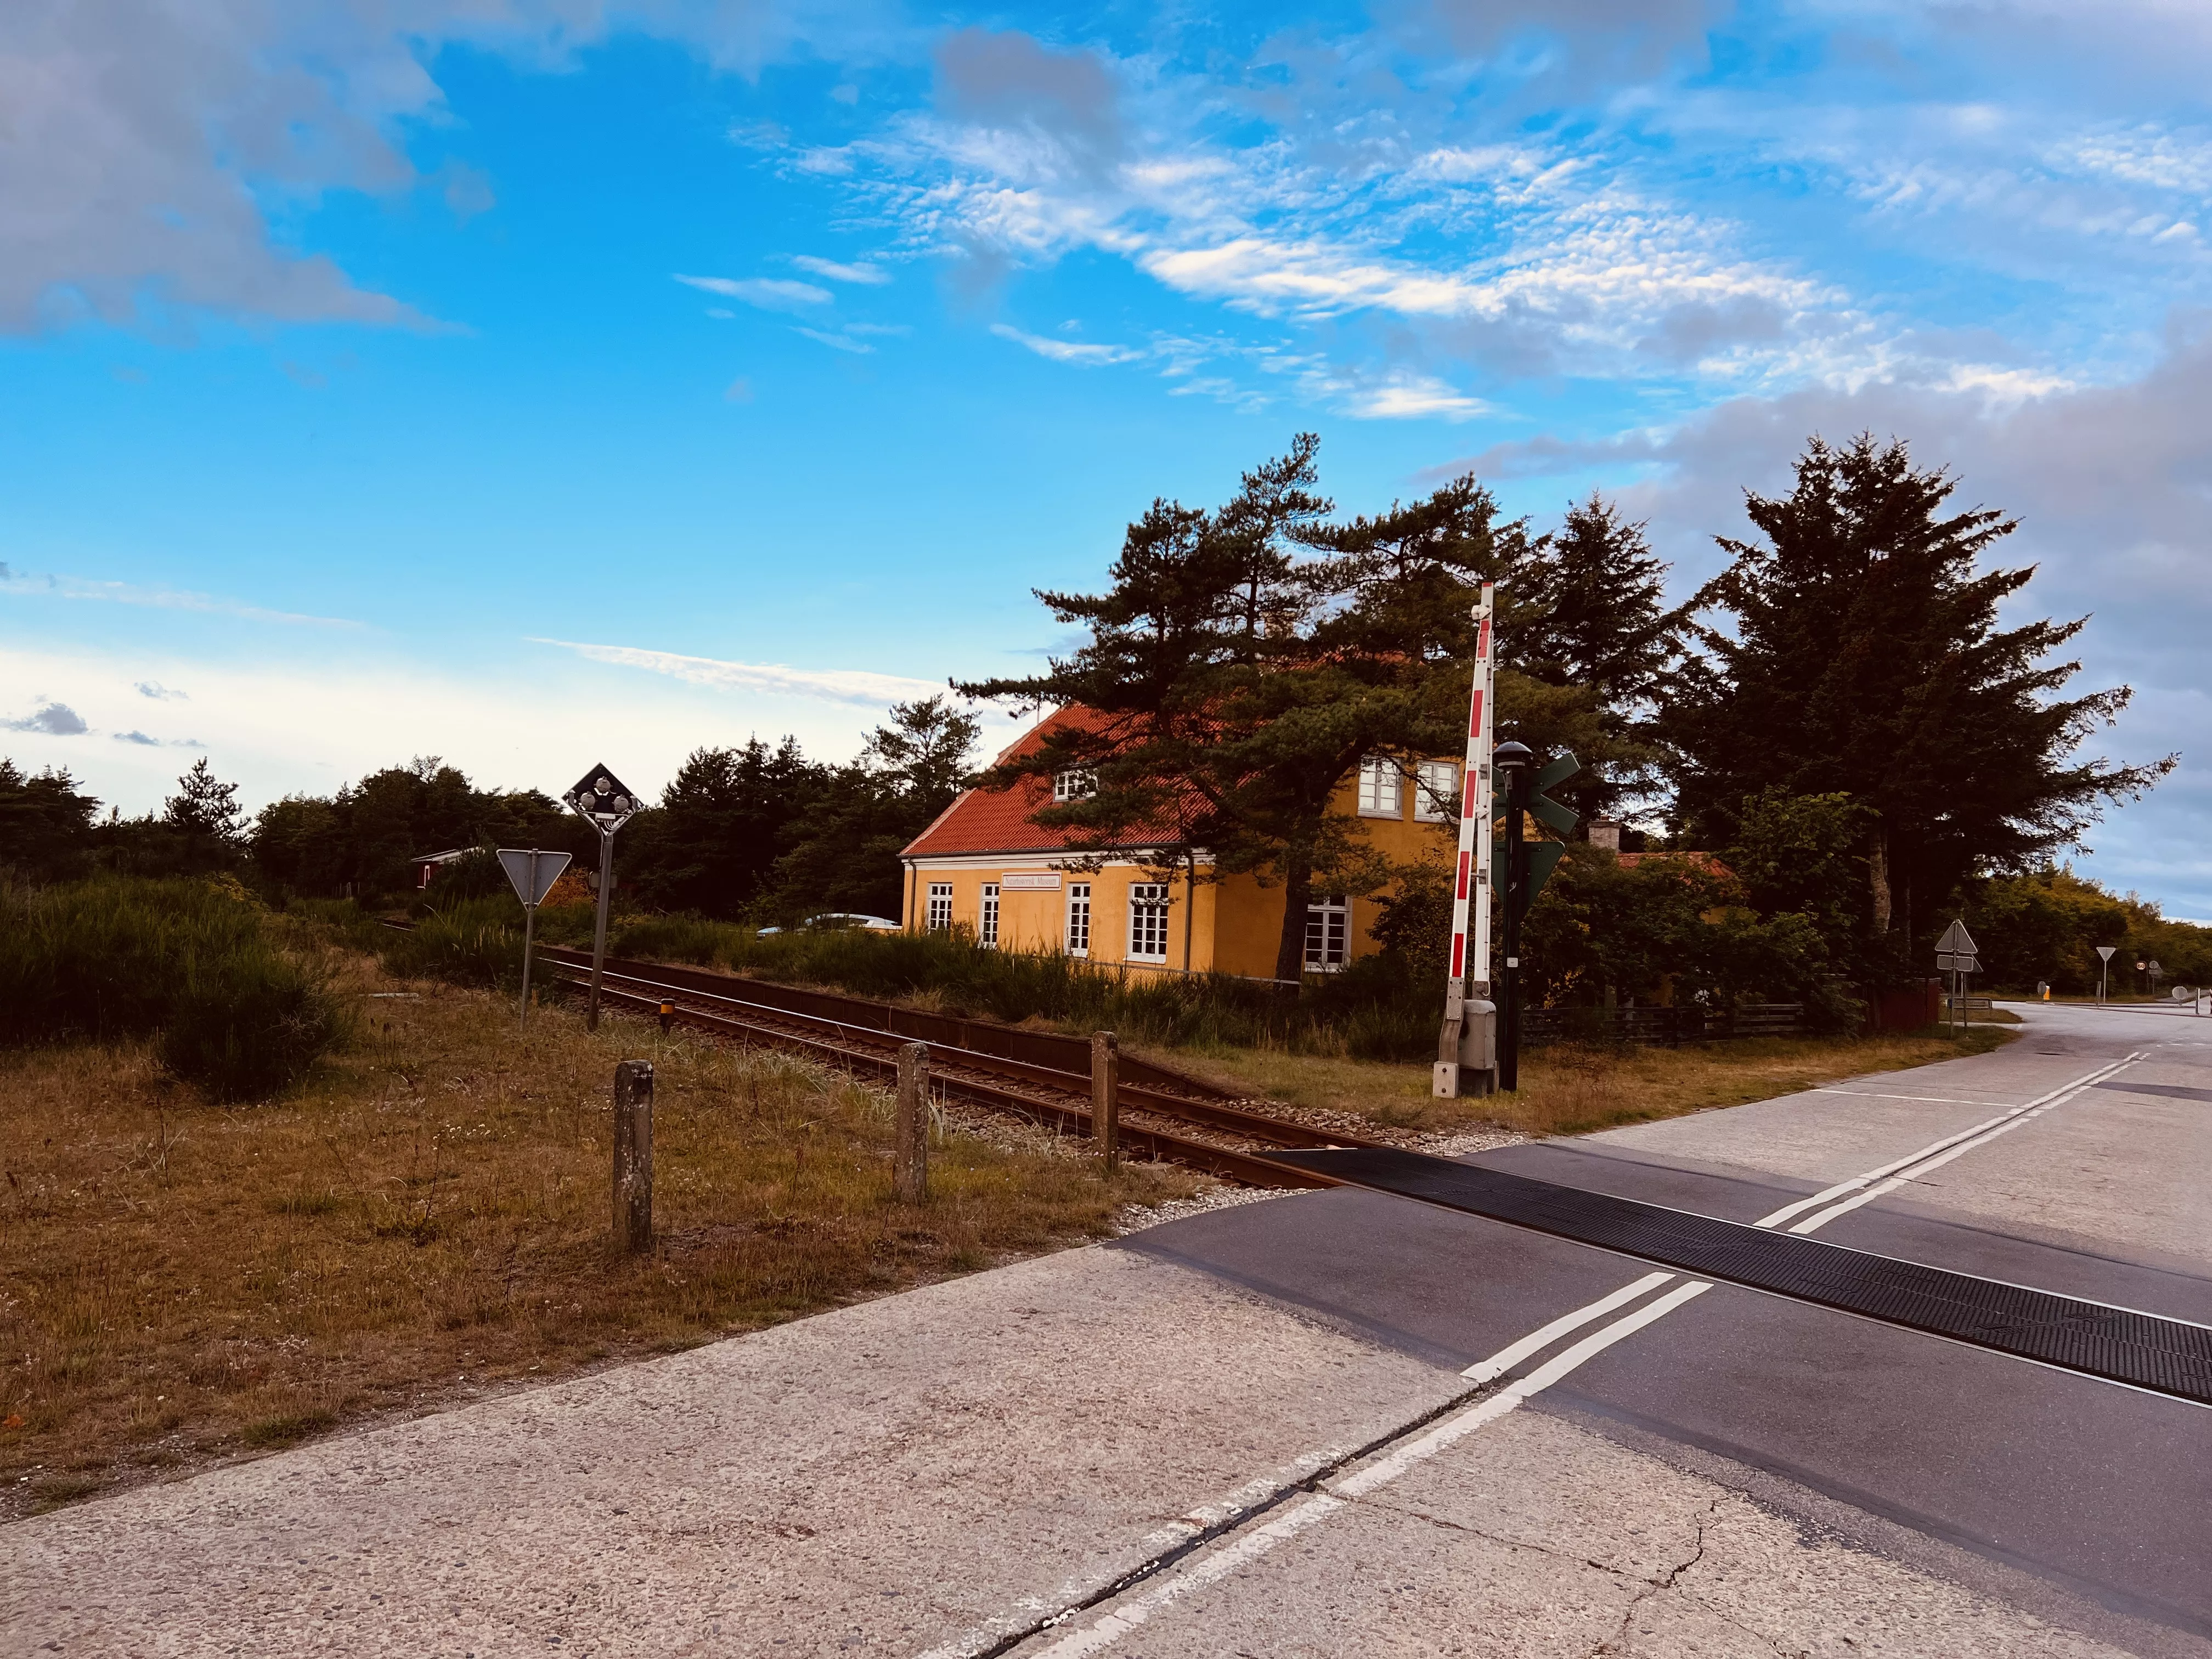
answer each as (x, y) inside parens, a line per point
(747, 833)
(1837, 720)
(1837, 716)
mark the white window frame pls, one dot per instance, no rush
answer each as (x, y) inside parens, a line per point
(986, 917)
(1382, 788)
(1077, 933)
(1328, 934)
(939, 914)
(1148, 921)
(1435, 792)
(1074, 785)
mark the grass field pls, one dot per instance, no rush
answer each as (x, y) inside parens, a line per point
(427, 1216)
(1568, 1090)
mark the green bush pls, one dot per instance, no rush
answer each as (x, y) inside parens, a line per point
(189, 961)
(1375, 1009)
(246, 1024)
(467, 941)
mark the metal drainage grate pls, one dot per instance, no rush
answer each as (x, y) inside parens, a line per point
(2119, 1344)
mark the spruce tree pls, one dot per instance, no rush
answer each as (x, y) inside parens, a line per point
(1856, 651)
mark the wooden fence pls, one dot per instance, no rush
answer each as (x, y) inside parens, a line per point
(1667, 1028)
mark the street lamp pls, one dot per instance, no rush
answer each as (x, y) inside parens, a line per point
(1514, 764)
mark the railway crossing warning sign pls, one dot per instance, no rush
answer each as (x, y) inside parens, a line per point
(605, 798)
(1543, 856)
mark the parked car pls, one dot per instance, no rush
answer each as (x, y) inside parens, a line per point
(843, 918)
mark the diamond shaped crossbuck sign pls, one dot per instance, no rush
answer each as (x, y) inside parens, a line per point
(1956, 951)
(605, 798)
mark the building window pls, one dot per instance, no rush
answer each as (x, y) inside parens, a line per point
(940, 906)
(1079, 919)
(1379, 781)
(1329, 923)
(987, 928)
(1148, 921)
(1075, 786)
(1435, 792)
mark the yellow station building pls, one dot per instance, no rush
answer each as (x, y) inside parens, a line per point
(986, 866)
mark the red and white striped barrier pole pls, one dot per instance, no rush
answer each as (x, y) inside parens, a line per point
(1470, 926)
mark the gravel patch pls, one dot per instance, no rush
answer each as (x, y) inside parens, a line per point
(1136, 1218)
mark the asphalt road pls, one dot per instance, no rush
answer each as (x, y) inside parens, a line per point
(2083, 1503)
(1255, 1432)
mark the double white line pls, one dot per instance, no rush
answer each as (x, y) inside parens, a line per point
(1338, 1491)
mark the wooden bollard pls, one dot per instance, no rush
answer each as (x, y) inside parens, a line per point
(910, 1128)
(1105, 1096)
(634, 1156)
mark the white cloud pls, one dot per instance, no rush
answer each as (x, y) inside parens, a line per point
(149, 145)
(855, 685)
(830, 270)
(52, 719)
(160, 692)
(768, 293)
(1415, 397)
(160, 599)
(836, 341)
(1066, 351)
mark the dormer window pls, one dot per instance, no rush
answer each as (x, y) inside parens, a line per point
(1075, 786)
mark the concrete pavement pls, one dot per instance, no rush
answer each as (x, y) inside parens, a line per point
(941, 1472)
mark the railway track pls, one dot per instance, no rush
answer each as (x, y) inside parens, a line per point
(1168, 1118)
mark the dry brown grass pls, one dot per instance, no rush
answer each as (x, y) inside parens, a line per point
(428, 1216)
(1570, 1089)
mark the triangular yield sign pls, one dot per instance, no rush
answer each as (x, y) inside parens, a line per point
(532, 872)
(1957, 940)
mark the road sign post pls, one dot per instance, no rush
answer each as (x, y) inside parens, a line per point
(2104, 953)
(1957, 955)
(607, 802)
(533, 871)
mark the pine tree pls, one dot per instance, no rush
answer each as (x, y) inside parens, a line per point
(205, 808)
(843, 848)
(1588, 599)
(46, 822)
(1856, 652)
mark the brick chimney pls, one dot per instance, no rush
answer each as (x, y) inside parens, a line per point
(1606, 833)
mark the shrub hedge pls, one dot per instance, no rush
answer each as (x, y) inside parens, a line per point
(189, 961)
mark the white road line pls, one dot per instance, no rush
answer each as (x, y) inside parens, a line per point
(1929, 1100)
(1485, 1370)
(1906, 1176)
(1460, 1425)
(1891, 1167)
(1338, 1493)
(1210, 1568)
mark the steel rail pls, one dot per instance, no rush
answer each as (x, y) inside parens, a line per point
(1258, 1126)
(913, 1025)
(1252, 1169)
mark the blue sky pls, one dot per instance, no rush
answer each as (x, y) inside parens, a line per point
(537, 383)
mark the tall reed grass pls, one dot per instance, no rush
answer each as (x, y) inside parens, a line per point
(190, 961)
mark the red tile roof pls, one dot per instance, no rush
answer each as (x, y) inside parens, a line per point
(1704, 861)
(998, 820)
